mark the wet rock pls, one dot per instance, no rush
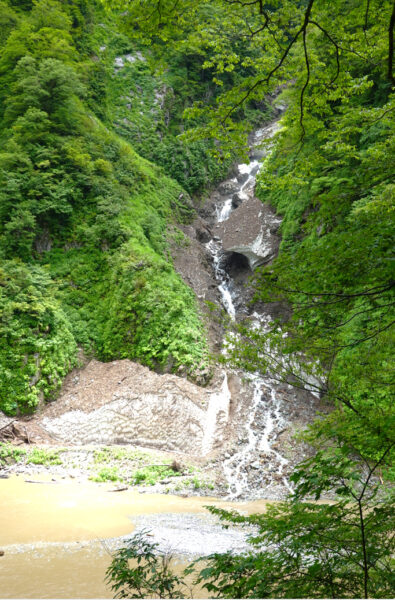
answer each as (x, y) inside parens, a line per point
(242, 177)
(248, 232)
(203, 235)
(237, 199)
(228, 187)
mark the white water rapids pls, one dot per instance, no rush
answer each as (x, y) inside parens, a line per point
(265, 420)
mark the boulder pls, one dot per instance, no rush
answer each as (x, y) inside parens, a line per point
(242, 177)
(250, 231)
(228, 187)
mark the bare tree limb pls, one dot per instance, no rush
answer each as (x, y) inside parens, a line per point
(306, 57)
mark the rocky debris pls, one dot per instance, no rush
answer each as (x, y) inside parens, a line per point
(191, 534)
(119, 61)
(123, 402)
(193, 261)
(6, 427)
(230, 186)
(19, 431)
(251, 230)
(40, 464)
(260, 467)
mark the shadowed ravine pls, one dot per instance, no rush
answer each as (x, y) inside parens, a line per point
(240, 427)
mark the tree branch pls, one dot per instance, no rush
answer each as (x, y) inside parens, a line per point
(337, 47)
(278, 66)
(391, 46)
(306, 57)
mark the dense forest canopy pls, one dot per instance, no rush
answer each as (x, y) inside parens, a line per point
(85, 221)
(97, 165)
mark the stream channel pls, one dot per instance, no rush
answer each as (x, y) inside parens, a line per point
(57, 536)
(266, 415)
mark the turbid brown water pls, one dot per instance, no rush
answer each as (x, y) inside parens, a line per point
(51, 533)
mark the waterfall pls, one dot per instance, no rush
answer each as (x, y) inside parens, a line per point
(264, 420)
(224, 212)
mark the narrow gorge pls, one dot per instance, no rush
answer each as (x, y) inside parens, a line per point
(240, 426)
(197, 299)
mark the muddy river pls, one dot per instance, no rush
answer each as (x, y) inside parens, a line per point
(57, 537)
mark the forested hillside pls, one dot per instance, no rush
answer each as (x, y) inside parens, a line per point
(84, 219)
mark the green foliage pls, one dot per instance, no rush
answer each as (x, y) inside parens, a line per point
(42, 456)
(10, 453)
(330, 177)
(299, 548)
(37, 348)
(146, 102)
(34, 456)
(152, 474)
(81, 209)
(199, 483)
(47, 85)
(84, 221)
(336, 549)
(8, 21)
(152, 312)
(152, 576)
(106, 474)
(117, 453)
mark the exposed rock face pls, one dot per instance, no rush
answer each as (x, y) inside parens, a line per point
(194, 262)
(251, 230)
(124, 402)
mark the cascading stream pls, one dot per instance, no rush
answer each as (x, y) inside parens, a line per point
(264, 419)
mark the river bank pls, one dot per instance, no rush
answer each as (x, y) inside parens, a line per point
(123, 467)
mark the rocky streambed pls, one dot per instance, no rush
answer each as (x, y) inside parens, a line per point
(233, 235)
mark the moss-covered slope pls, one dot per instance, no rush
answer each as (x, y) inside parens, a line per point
(83, 219)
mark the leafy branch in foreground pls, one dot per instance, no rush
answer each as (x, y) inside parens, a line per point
(150, 575)
(339, 548)
(315, 44)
